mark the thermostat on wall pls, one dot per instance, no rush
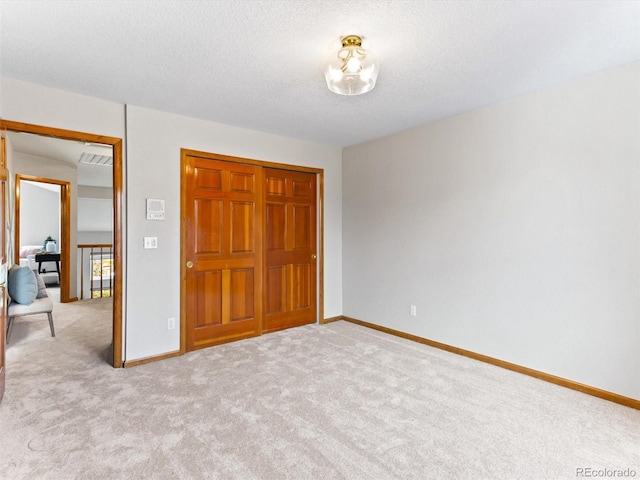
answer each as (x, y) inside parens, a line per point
(155, 209)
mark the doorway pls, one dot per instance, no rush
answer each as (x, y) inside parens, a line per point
(115, 145)
(42, 207)
(251, 238)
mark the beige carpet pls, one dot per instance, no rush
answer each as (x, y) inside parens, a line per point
(320, 402)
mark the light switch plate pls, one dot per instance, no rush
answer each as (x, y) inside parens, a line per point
(150, 242)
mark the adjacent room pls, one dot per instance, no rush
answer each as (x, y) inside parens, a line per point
(325, 240)
(47, 222)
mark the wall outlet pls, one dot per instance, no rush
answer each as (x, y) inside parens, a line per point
(171, 324)
(413, 311)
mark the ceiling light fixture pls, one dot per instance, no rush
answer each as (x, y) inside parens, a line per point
(354, 70)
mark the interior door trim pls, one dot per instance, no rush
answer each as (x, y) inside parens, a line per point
(65, 219)
(184, 153)
(117, 145)
(3, 245)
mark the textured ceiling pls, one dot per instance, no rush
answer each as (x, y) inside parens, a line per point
(259, 64)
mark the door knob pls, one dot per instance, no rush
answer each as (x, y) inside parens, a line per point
(189, 264)
(313, 256)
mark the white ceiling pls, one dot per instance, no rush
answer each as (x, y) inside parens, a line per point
(259, 64)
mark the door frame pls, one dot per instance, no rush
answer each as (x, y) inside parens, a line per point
(117, 146)
(65, 226)
(4, 179)
(319, 172)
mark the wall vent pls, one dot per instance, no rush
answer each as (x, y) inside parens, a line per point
(91, 159)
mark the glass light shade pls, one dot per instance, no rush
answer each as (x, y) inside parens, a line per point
(353, 70)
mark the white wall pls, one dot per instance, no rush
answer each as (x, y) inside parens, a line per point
(88, 191)
(30, 103)
(154, 140)
(514, 229)
(95, 237)
(95, 215)
(39, 214)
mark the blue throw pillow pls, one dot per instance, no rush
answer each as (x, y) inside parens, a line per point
(22, 285)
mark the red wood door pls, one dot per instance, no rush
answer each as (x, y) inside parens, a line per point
(222, 250)
(290, 249)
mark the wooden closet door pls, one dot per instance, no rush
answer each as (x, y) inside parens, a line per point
(290, 249)
(222, 241)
